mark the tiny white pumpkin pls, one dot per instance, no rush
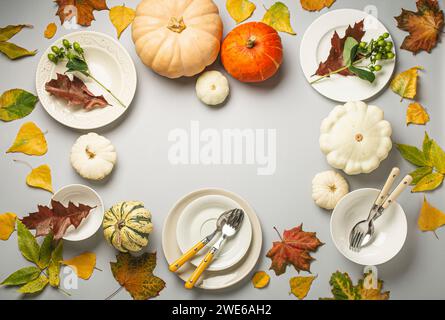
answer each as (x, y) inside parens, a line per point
(355, 138)
(212, 88)
(328, 187)
(93, 156)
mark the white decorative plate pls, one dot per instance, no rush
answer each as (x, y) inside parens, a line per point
(315, 47)
(199, 220)
(109, 62)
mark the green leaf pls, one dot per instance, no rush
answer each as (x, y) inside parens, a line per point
(21, 276)
(350, 51)
(426, 148)
(363, 74)
(77, 64)
(8, 32)
(13, 51)
(342, 287)
(429, 182)
(27, 243)
(35, 286)
(16, 104)
(45, 252)
(437, 157)
(419, 173)
(412, 154)
(54, 265)
(278, 17)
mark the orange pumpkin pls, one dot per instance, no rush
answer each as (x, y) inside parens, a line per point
(252, 52)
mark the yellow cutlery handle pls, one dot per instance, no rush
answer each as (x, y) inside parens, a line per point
(201, 268)
(186, 256)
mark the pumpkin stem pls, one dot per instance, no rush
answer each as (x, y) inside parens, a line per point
(333, 187)
(176, 25)
(251, 42)
(358, 137)
(90, 153)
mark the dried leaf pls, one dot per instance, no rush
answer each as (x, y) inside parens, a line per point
(316, 5)
(429, 182)
(8, 32)
(28, 245)
(21, 276)
(16, 104)
(35, 286)
(83, 265)
(30, 140)
(260, 279)
(135, 274)
(405, 83)
(430, 218)
(121, 17)
(84, 10)
(11, 50)
(75, 92)
(50, 30)
(40, 177)
(278, 17)
(7, 225)
(424, 26)
(240, 10)
(368, 291)
(416, 114)
(300, 286)
(294, 248)
(56, 220)
(54, 265)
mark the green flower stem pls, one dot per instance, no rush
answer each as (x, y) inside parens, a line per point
(106, 89)
(336, 71)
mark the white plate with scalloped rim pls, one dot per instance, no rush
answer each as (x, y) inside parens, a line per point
(109, 62)
(315, 47)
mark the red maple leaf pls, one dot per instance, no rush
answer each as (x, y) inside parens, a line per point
(82, 9)
(294, 248)
(56, 220)
(335, 58)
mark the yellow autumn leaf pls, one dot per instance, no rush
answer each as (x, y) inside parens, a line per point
(278, 17)
(429, 182)
(240, 10)
(7, 225)
(40, 177)
(121, 17)
(50, 30)
(430, 218)
(300, 286)
(316, 5)
(416, 114)
(260, 279)
(405, 83)
(29, 140)
(368, 290)
(83, 265)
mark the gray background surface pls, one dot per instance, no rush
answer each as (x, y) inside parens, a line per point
(285, 102)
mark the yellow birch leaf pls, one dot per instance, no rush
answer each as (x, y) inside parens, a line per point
(50, 30)
(416, 114)
(429, 182)
(405, 83)
(300, 286)
(40, 177)
(29, 140)
(83, 265)
(260, 279)
(316, 5)
(121, 17)
(7, 225)
(430, 218)
(240, 10)
(278, 17)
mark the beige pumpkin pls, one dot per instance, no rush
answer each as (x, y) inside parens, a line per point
(177, 38)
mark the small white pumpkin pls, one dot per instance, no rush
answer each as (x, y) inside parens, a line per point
(93, 156)
(212, 88)
(355, 138)
(328, 187)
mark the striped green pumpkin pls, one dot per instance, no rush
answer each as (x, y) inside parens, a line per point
(127, 226)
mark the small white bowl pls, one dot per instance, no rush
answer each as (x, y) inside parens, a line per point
(390, 228)
(78, 193)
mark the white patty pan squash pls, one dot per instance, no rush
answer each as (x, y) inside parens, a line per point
(177, 38)
(212, 88)
(93, 156)
(328, 187)
(127, 226)
(355, 137)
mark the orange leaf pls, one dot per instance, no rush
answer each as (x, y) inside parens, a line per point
(316, 5)
(416, 114)
(83, 265)
(7, 225)
(82, 9)
(50, 30)
(260, 279)
(430, 218)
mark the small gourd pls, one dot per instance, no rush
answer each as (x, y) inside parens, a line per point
(328, 187)
(127, 226)
(212, 88)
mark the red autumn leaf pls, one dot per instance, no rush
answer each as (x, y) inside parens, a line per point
(56, 220)
(82, 9)
(335, 58)
(294, 248)
(75, 92)
(424, 26)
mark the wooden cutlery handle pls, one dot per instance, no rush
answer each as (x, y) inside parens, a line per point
(186, 256)
(201, 268)
(385, 190)
(397, 191)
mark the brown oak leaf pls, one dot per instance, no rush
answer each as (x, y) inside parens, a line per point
(294, 248)
(335, 58)
(424, 26)
(75, 92)
(82, 9)
(56, 219)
